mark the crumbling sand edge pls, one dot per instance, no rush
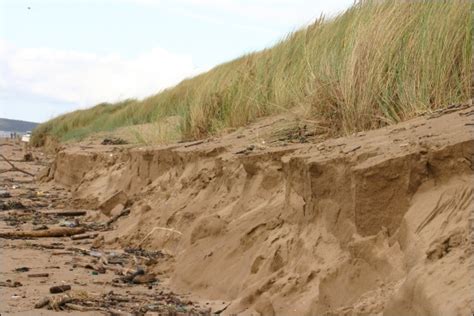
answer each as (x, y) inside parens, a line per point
(372, 224)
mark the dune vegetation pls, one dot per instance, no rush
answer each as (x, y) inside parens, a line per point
(378, 63)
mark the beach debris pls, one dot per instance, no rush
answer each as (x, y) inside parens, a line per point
(28, 157)
(22, 269)
(10, 283)
(65, 213)
(4, 194)
(59, 289)
(114, 141)
(85, 236)
(38, 275)
(13, 167)
(42, 303)
(125, 212)
(350, 148)
(50, 232)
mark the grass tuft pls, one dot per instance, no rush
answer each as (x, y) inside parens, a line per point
(378, 63)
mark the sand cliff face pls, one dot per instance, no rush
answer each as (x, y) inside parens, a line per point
(377, 223)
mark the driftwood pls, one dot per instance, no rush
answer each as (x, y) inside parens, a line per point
(53, 246)
(221, 310)
(116, 217)
(38, 275)
(60, 253)
(81, 308)
(59, 289)
(116, 312)
(42, 303)
(199, 142)
(51, 232)
(14, 168)
(54, 302)
(85, 236)
(65, 213)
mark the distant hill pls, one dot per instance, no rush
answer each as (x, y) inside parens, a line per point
(8, 125)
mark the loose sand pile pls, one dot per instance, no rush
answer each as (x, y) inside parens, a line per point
(377, 223)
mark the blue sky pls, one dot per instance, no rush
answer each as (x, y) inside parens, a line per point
(57, 56)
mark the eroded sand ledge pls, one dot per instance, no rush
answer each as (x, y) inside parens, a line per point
(372, 224)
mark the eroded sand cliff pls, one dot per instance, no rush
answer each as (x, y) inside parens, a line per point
(377, 223)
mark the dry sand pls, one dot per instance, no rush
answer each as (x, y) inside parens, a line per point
(377, 223)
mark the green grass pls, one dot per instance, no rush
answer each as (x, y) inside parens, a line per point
(378, 63)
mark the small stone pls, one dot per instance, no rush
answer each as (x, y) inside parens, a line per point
(144, 278)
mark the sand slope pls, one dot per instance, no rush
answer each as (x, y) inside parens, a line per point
(376, 223)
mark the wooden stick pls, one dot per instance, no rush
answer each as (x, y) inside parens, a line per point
(116, 217)
(80, 308)
(51, 232)
(64, 213)
(48, 246)
(38, 275)
(117, 312)
(195, 143)
(85, 236)
(59, 289)
(13, 167)
(59, 253)
(42, 303)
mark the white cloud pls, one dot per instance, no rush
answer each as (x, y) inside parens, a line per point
(265, 13)
(275, 11)
(86, 78)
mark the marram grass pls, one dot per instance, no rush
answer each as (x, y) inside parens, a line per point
(378, 63)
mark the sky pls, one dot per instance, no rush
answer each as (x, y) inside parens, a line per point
(61, 55)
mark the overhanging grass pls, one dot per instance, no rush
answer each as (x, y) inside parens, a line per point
(378, 63)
